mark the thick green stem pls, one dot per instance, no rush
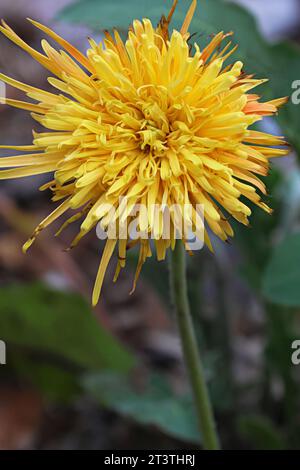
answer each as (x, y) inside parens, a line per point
(190, 349)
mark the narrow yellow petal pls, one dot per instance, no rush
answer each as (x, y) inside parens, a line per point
(73, 51)
(30, 160)
(188, 18)
(60, 210)
(21, 172)
(107, 254)
(24, 105)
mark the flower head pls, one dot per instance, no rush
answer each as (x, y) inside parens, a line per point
(150, 121)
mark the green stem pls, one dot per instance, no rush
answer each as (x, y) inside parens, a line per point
(190, 349)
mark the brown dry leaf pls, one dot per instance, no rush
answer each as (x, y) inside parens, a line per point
(20, 418)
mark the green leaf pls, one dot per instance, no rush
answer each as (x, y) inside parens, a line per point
(55, 383)
(59, 324)
(256, 242)
(282, 277)
(281, 330)
(103, 14)
(210, 17)
(261, 432)
(286, 56)
(156, 406)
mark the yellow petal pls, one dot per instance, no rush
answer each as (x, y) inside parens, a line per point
(188, 18)
(107, 254)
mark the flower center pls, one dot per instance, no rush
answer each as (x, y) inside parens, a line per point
(154, 128)
(152, 139)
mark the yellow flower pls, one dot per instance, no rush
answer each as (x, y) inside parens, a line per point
(151, 120)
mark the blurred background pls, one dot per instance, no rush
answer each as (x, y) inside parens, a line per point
(113, 378)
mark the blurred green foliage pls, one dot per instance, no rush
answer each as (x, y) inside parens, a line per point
(53, 337)
(154, 404)
(281, 279)
(261, 433)
(56, 382)
(59, 324)
(255, 241)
